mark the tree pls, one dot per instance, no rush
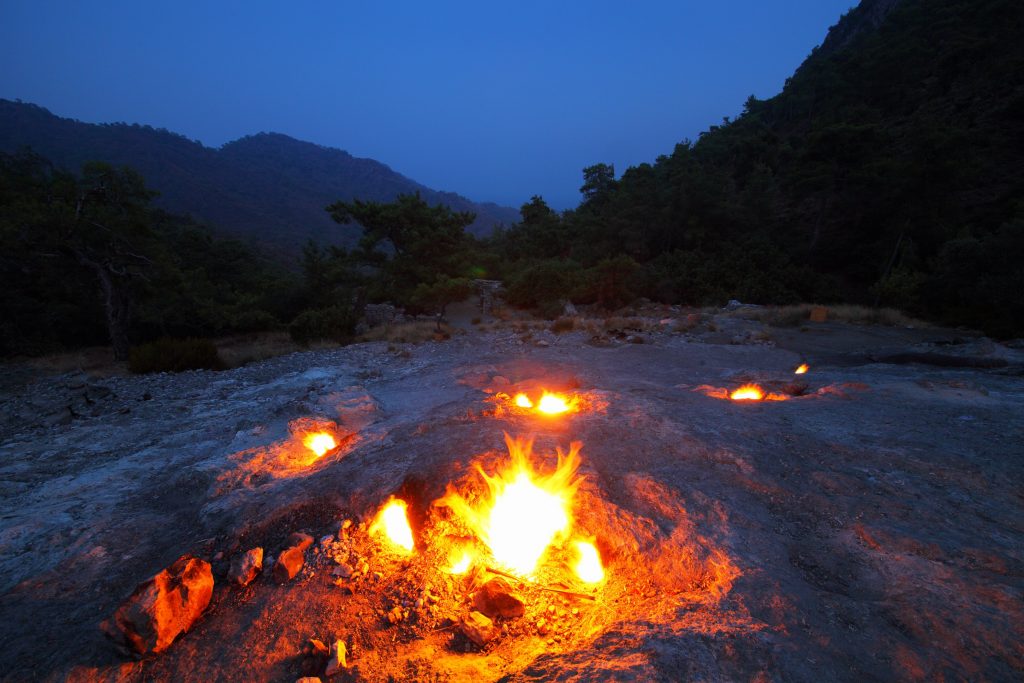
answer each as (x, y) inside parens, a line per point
(598, 182)
(409, 242)
(438, 294)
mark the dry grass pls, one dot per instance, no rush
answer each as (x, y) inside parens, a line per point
(797, 314)
(407, 333)
(243, 349)
(96, 361)
(563, 324)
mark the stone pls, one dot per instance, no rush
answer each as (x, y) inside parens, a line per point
(315, 657)
(246, 566)
(161, 608)
(542, 627)
(336, 659)
(343, 570)
(478, 628)
(308, 679)
(288, 564)
(395, 615)
(346, 524)
(497, 599)
(327, 540)
(300, 540)
(542, 343)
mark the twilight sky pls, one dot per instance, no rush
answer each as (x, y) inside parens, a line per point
(497, 101)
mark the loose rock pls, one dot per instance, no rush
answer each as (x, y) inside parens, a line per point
(288, 564)
(478, 628)
(161, 608)
(300, 540)
(496, 599)
(245, 567)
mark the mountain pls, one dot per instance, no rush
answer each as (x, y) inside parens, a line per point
(890, 169)
(269, 187)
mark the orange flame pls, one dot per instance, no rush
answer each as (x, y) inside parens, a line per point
(319, 443)
(527, 512)
(748, 392)
(461, 565)
(393, 522)
(523, 401)
(802, 369)
(588, 567)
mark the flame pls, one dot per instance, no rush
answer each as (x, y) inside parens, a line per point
(394, 523)
(461, 566)
(748, 392)
(523, 401)
(552, 404)
(588, 567)
(802, 369)
(319, 443)
(526, 511)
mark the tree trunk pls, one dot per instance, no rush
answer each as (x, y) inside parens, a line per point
(116, 306)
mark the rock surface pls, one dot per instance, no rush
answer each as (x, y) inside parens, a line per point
(162, 608)
(336, 658)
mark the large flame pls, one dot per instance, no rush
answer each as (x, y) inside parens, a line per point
(394, 524)
(523, 401)
(748, 392)
(588, 567)
(526, 511)
(319, 442)
(803, 367)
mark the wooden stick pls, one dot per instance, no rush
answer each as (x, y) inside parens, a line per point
(573, 594)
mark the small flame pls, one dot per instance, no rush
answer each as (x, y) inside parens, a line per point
(802, 369)
(462, 565)
(527, 512)
(552, 404)
(319, 443)
(588, 567)
(748, 392)
(523, 401)
(394, 523)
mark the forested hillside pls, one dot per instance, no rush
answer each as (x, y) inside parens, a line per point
(268, 188)
(890, 169)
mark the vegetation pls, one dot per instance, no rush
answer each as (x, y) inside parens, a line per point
(175, 355)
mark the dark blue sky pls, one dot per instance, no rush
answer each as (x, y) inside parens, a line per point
(496, 101)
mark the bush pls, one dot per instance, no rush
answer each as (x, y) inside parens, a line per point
(336, 323)
(175, 355)
(563, 324)
(544, 285)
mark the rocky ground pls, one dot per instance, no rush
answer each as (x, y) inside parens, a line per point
(871, 528)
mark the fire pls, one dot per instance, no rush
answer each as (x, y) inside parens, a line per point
(802, 369)
(526, 511)
(588, 567)
(552, 404)
(461, 566)
(394, 524)
(748, 392)
(319, 443)
(523, 401)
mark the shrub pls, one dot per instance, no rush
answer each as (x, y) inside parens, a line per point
(175, 355)
(544, 285)
(336, 323)
(563, 324)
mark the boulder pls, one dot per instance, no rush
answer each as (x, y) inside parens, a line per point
(161, 608)
(497, 599)
(245, 567)
(288, 564)
(478, 628)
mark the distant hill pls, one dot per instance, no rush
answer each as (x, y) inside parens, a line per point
(269, 187)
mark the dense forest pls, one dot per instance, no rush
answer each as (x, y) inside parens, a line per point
(888, 171)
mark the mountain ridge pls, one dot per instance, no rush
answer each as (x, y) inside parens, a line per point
(267, 187)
